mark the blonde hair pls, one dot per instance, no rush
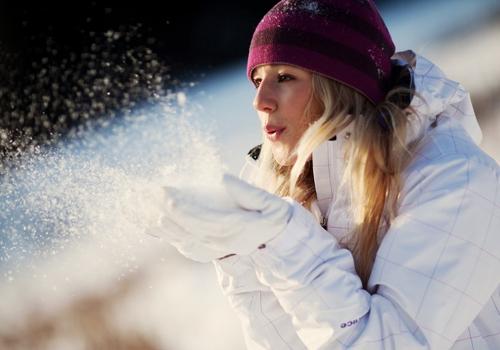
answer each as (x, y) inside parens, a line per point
(375, 156)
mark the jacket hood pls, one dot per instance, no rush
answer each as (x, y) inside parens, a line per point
(437, 95)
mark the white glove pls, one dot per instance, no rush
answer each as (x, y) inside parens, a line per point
(204, 230)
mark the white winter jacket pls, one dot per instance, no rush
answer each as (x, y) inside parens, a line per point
(435, 281)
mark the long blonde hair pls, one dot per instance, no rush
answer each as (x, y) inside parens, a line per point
(375, 156)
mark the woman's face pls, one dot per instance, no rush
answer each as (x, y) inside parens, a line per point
(283, 92)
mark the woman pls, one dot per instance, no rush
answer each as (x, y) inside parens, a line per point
(382, 229)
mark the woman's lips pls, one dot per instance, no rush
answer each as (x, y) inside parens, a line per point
(273, 133)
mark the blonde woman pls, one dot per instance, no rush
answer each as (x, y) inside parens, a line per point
(369, 218)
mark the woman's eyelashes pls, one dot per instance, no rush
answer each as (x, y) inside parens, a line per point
(280, 78)
(284, 77)
(256, 82)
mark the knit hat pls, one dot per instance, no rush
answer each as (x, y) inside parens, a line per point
(345, 40)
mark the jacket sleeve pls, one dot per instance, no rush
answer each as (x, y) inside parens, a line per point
(264, 323)
(434, 270)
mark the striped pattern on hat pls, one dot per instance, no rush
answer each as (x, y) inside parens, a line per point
(346, 40)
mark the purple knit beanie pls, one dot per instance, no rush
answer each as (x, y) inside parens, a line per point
(345, 40)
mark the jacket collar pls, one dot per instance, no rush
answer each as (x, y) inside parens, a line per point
(328, 167)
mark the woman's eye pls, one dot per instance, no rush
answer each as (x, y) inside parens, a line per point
(284, 77)
(281, 78)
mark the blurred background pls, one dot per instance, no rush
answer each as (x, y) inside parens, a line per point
(98, 101)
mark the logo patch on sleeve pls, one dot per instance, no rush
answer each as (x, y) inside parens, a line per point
(348, 323)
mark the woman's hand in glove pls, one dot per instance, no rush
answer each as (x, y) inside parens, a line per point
(205, 231)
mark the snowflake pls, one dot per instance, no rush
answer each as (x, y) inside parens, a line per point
(310, 6)
(376, 57)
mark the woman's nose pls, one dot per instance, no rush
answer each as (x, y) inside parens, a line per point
(265, 100)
